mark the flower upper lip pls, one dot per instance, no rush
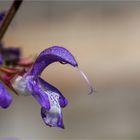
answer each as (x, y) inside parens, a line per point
(50, 55)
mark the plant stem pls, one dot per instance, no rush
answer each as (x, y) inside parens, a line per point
(9, 16)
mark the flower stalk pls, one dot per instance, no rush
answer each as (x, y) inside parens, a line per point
(9, 16)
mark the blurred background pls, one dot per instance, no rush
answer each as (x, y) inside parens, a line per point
(104, 37)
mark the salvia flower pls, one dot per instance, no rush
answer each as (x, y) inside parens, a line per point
(49, 97)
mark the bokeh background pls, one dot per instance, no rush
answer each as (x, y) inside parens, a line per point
(104, 37)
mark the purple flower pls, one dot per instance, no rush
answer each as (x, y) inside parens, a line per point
(50, 98)
(5, 97)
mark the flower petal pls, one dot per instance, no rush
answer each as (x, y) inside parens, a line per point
(5, 97)
(19, 84)
(52, 117)
(50, 99)
(51, 55)
(34, 87)
(40, 90)
(48, 87)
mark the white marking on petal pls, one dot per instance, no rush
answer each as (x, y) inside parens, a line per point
(53, 114)
(20, 85)
(54, 101)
